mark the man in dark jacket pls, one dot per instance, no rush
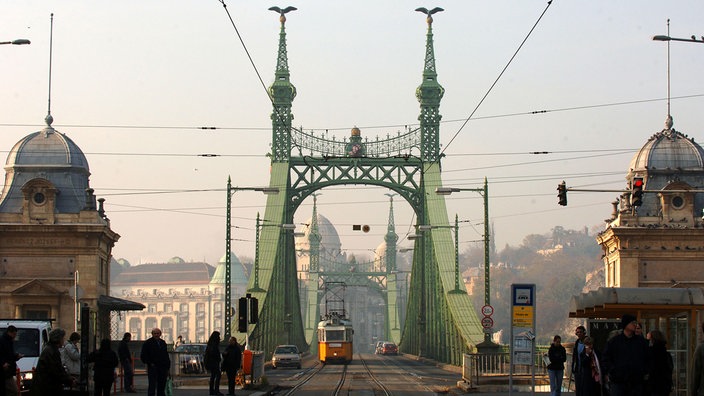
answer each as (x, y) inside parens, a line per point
(125, 356)
(626, 360)
(8, 361)
(581, 333)
(155, 356)
(231, 363)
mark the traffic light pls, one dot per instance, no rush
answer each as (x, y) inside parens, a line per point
(562, 193)
(242, 315)
(253, 310)
(637, 191)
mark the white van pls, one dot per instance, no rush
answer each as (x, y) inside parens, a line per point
(32, 335)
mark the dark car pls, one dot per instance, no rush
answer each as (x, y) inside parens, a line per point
(191, 357)
(389, 348)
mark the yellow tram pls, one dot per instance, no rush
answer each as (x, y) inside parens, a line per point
(335, 340)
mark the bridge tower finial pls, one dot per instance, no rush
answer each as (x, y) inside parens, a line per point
(429, 93)
(281, 93)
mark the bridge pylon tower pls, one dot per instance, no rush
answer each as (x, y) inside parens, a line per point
(439, 324)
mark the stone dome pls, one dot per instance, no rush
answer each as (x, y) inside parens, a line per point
(669, 149)
(330, 246)
(50, 155)
(329, 239)
(668, 157)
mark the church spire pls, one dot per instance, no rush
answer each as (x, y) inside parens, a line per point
(281, 93)
(429, 93)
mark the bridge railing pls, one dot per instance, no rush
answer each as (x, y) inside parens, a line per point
(478, 366)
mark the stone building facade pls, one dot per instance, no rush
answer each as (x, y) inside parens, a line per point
(55, 239)
(181, 298)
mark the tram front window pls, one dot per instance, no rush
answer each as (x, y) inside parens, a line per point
(335, 335)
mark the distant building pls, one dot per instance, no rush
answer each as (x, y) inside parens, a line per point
(55, 239)
(181, 298)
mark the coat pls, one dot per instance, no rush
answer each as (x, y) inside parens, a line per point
(232, 359)
(154, 354)
(105, 363)
(8, 355)
(50, 376)
(212, 357)
(696, 384)
(558, 356)
(71, 358)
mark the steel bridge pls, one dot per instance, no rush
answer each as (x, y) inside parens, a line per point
(441, 322)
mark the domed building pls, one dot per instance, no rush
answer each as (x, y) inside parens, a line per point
(55, 240)
(658, 241)
(653, 249)
(329, 246)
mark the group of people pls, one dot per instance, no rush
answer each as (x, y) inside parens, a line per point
(629, 365)
(229, 361)
(156, 358)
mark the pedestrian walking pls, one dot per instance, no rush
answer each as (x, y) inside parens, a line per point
(125, 357)
(590, 373)
(659, 381)
(104, 364)
(556, 369)
(212, 363)
(50, 377)
(71, 356)
(8, 362)
(155, 356)
(580, 332)
(626, 360)
(696, 382)
(231, 363)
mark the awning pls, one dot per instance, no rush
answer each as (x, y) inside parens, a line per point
(613, 302)
(118, 304)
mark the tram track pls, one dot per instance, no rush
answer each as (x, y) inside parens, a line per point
(346, 380)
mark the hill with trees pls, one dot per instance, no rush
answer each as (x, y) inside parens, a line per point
(561, 264)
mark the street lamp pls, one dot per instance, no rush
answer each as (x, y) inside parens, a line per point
(228, 247)
(694, 39)
(456, 228)
(484, 192)
(16, 42)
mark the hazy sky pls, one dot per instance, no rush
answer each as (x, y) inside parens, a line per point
(134, 80)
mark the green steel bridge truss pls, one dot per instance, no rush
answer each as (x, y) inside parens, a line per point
(440, 322)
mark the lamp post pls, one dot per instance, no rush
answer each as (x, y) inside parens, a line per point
(456, 228)
(484, 192)
(228, 246)
(421, 313)
(16, 42)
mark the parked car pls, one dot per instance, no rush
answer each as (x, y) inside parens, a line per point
(286, 356)
(389, 348)
(191, 358)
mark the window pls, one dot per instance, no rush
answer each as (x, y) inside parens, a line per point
(677, 202)
(151, 308)
(168, 308)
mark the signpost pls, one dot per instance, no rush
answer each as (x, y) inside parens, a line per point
(522, 330)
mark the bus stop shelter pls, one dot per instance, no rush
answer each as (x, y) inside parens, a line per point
(674, 311)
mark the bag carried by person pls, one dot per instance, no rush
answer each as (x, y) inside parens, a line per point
(169, 391)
